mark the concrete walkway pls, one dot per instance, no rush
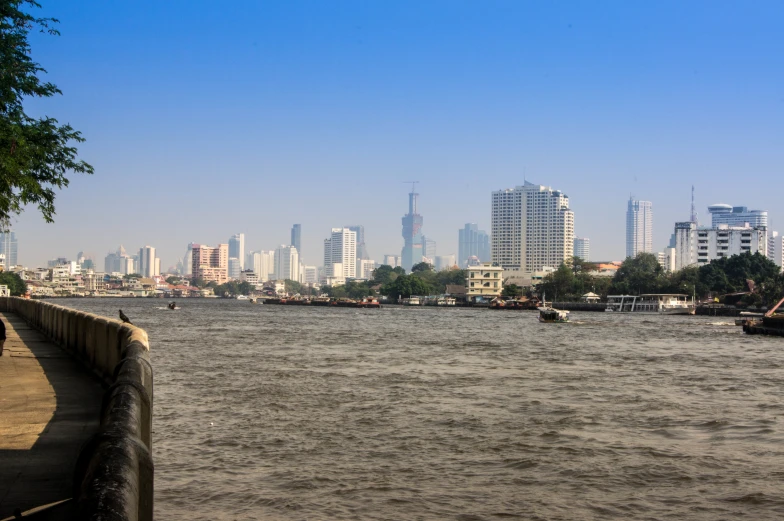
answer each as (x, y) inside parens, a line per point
(49, 406)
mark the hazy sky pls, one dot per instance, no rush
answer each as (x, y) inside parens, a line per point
(205, 119)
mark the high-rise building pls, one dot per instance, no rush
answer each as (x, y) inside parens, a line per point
(187, 261)
(365, 268)
(428, 248)
(286, 263)
(9, 248)
(147, 262)
(444, 262)
(392, 260)
(211, 264)
(737, 216)
(472, 242)
(639, 227)
(262, 263)
(296, 237)
(695, 245)
(362, 253)
(120, 262)
(340, 254)
(532, 227)
(309, 274)
(776, 248)
(412, 234)
(582, 248)
(234, 268)
(237, 250)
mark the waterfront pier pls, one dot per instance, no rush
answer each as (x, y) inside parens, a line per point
(75, 416)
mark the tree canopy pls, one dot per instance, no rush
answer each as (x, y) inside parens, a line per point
(385, 273)
(15, 284)
(35, 153)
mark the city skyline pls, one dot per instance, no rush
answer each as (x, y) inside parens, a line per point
(599, 102)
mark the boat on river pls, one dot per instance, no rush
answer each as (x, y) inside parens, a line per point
(651, 303)
(552, 315)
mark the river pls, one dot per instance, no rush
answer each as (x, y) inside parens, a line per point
(293, 413)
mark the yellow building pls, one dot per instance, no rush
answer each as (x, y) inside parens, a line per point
(485, 280)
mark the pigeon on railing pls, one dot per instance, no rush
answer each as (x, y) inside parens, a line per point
(125, 318)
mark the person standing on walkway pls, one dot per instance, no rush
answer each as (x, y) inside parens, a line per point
(2, 336)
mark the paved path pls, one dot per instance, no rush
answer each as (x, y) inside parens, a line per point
(49, 405)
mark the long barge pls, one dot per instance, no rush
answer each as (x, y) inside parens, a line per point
(770, 324)
(369, 303)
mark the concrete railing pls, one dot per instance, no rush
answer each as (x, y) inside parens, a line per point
(114, 473)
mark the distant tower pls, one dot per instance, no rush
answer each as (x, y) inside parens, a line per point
(582, 248)
(639, 227)
(472, 242)
(362, 253)
(693, 206)
(412, 233)
(237, 250)
(9, 247)
(296, 238)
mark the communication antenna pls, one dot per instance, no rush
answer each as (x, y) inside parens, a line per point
(693, 208)
(413, 185)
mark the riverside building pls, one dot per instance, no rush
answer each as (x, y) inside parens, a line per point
(639, 227)
(485, 280)
(532, 227)
(210, 264)
(695, 245)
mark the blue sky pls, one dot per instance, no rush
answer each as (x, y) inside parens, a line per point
(205, 119)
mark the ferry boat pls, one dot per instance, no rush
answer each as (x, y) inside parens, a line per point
(652, 303)
(411, 301)
(552, 315)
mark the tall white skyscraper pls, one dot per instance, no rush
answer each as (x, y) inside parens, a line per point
(532, 227)
(639, 227)
(286, 263)
(237, 249)
(582, 248)
(9, 248)
(148, 267)
(340, 254)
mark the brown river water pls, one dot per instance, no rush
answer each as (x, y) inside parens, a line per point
(295, 413)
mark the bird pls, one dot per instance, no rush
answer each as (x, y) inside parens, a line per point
(125, 318)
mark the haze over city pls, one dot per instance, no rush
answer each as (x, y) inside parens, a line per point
(207, 119)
